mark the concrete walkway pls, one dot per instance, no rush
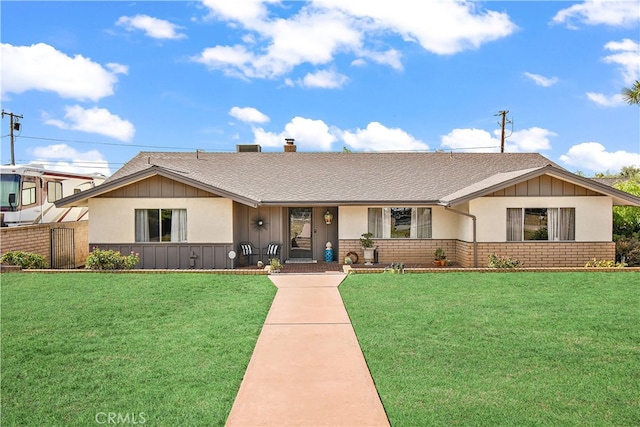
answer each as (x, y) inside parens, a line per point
(307, 368)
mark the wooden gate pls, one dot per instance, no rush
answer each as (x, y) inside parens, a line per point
(63, 254)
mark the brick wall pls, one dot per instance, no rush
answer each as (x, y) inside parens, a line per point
(532, 254)
(37, 239)
(412, 251)
(548, 254)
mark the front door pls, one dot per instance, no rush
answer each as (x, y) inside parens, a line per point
(301, 233)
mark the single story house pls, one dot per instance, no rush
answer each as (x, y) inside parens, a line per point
(190, 210)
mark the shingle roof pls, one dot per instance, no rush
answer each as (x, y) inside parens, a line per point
(342, 178)
(270, 178)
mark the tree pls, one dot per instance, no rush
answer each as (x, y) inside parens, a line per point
(626, 219)
(631, 95)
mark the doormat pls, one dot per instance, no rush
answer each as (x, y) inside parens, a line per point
(301, 261)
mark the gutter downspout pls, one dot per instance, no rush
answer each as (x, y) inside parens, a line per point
(475, 242)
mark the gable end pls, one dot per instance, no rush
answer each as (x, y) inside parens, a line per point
(544, 186)
(157, 186)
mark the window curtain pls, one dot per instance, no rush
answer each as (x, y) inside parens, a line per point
(375, 222)
(178, 225)
(413, 229)
(553, 223)
(514, 224)
(386, 223)
(423, 223)
(567, 224)
(142, 225)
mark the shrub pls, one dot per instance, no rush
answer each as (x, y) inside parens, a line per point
(111, 260)
(604, 263)
(25, 260)
(628, 251)
(502, 262)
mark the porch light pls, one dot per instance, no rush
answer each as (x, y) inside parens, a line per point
(328, 217)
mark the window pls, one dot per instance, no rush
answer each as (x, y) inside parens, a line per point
(54, 191)
(400, 223)
(540, 224)
(28, 193)
(9, 184)
(161, 225)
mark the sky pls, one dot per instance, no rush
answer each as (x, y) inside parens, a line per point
(97, 82)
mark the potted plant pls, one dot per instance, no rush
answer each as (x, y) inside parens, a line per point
(368, 248)
(440, 257)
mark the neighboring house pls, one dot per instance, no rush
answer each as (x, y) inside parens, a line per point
(189, 210)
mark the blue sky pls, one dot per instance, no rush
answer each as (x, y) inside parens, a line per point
(97, 82)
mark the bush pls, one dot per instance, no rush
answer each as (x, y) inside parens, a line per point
(502, 262)
(628, 251)
(604, 264)
(25, 260)
(111, 260)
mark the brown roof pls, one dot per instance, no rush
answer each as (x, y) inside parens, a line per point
(335, 178)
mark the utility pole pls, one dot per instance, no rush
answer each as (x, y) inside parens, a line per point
(503, 113)
(14, 124)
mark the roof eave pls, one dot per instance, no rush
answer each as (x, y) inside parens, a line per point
(618, 196)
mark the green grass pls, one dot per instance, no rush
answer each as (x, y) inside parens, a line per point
(501, 349)
(166, 349)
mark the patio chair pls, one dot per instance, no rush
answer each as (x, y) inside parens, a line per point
(272, 251)
(248, 250)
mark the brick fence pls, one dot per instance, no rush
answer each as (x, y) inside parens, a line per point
(37, 239)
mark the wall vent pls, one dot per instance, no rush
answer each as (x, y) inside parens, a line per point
(248, 148)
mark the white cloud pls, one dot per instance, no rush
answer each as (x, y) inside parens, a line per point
(95, 120)
(65, 158)
(248, 114)
(153, 27)
(594, 157)
(42, 67)
(377, 137)
(391, 57)
(541, 80)
(309, 134)
(599, 12)
(250, 12)
(606, 101)
(326, 79)
(627, 58)
(533, 139)
(441, 27)
(321, 29)
(475, 140)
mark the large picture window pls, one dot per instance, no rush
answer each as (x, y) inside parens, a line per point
(400, 223)
(541, 224)
(161, 225)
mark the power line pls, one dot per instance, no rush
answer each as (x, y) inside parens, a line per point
(107, 143)
(167, 147)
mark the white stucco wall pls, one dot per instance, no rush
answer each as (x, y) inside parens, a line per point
(209, 219)
(353, 221)
(593, 215)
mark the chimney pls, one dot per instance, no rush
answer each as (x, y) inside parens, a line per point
(289, 147)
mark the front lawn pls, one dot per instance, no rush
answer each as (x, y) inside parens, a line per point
(501, 349)
(156, 349)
